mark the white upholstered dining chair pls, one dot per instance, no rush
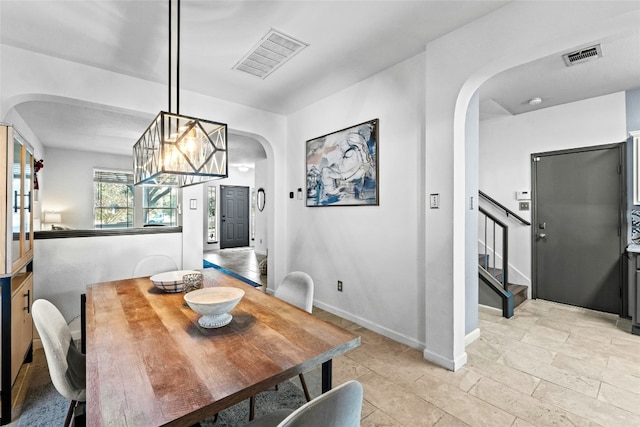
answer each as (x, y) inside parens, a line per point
(297, 289)
(154, 264)
(339, 407)
(66, 362)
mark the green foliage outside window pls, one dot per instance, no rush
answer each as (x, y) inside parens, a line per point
(160, 206)
(113, 204)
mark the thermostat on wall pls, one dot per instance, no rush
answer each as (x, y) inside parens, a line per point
(523, 195)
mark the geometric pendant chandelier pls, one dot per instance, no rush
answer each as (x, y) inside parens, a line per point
(178, 150)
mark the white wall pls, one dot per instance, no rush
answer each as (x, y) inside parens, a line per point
(63, 268)
(374, 250)
(261, 238)
(67, 183)
(506, 145)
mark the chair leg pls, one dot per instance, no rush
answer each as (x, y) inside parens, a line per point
(252, 407)
(304, 388)
(72, 406)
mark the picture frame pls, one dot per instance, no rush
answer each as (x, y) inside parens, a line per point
(342, 167)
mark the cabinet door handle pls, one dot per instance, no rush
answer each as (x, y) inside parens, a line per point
(28, 296)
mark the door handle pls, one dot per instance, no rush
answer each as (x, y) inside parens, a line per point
(28, 297)
(542, 235)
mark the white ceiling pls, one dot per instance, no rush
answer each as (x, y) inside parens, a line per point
(348, 41)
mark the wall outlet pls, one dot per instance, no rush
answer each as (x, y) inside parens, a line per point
(339, 285)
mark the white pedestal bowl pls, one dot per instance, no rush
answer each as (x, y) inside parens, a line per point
(214, 304)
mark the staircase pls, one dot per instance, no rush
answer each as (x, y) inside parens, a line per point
(519, 291)
(493, 260)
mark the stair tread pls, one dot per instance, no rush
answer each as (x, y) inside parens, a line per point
(516, 289)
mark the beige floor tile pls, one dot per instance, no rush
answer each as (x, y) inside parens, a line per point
(505, 331)
(503, 374)
(595, 370)
(540, 327)
(486, 348)
(367, 409)
(336, 320)
(345, 369)
(464, 406)
(391, 366)
(488, 317)
(564, 378)
(629, 353)
(524, 406)
(450, 421)
(595, 410)
(522, 320)
(570, 348)
(534, 349)
(582, 316)
(375, 343)
(620, 397)
(379, 419)
(398, 402)
(591, 368)
(618, 363)
(463, 378)
(544, 340)
(522, 423)
(628, 344)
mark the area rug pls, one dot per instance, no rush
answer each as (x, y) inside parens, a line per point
(208, 264)
(44, 406)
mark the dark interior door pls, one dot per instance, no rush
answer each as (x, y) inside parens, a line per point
(234, 216)
(577, 227)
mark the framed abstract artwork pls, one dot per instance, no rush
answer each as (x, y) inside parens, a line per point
(342, 167)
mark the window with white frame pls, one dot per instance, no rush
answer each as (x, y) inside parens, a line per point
(160, 206)
(112, 199)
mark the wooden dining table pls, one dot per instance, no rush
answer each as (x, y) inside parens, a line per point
(149, 363)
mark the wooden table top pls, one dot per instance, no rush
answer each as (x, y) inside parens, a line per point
(149, 363)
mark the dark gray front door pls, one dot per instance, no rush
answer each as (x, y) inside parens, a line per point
(234, 216)
(577, 243)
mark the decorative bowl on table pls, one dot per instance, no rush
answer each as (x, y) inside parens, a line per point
(192, 281)
(171, 281)
(214, 304)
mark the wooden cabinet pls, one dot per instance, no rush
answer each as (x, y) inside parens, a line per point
(16, 261)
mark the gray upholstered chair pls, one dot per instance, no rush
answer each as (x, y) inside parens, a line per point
(340, 407)
(297, 289)
(154, 264)
(66, 363)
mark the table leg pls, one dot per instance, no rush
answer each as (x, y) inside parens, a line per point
(326, 375)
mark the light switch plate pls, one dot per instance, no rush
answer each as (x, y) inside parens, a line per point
(434, 201)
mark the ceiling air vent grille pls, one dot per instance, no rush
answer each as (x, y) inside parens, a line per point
(582, 55)
(273, 50)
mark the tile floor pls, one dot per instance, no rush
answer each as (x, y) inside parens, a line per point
(243, 261)
(549, 365)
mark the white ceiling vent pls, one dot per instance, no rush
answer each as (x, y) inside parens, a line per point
(583, 55)
(273, 50)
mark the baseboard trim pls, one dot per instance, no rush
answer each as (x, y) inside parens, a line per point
(372, 326)
(452, 365)
(471, 336)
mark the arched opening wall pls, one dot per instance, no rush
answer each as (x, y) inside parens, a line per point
(514, 35)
